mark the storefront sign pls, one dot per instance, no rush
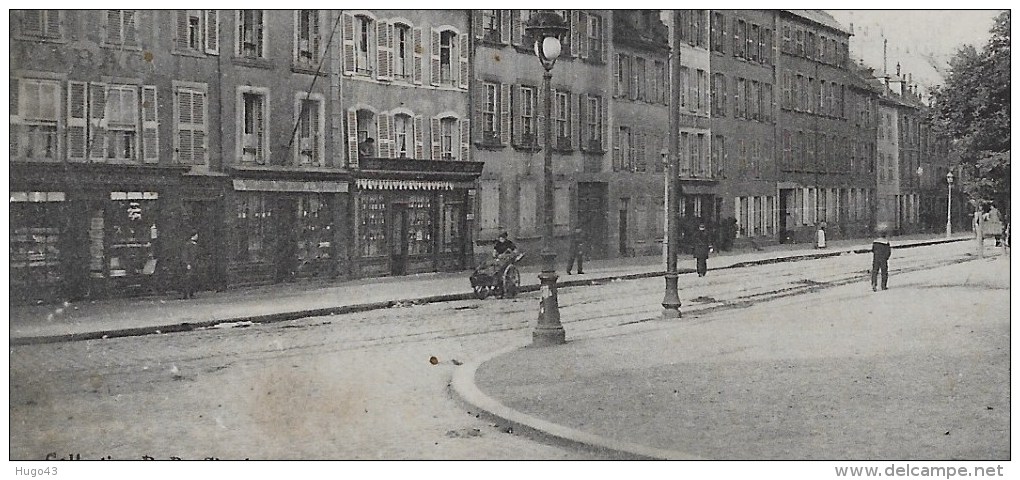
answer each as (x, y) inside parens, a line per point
(290, 186)
(37, 197)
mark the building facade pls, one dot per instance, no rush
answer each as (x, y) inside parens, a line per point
(814, 132)
(508, 105)
(743, 64)
(640, 126)
(406, 136)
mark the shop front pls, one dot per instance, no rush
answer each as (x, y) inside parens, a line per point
(287, 230)
(413, 216)
(89, 231)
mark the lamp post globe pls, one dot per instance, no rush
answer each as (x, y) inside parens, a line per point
(546, 29)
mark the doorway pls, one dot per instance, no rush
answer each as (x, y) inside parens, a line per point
(624, 204)
(202, 217)
(786, 217)
(286, 237)
(399, 245)
(592, 215)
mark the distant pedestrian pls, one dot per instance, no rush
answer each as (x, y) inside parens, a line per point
(993, 224)
(189, 257)
(576, 252)
(880, 251)
(702, 245)
(820, 236)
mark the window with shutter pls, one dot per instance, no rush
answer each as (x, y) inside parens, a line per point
(97, 121)
(306, 45)
(308, 145)
(122, 122)
(253, 147)
(150, 124)
(41, 24)
(121, 28)
(77, 121)
(212, 32)
(191, 126)
(403, 68)
(251, 33)
(34, 119)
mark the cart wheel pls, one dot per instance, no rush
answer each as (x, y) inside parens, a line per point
(511, 282)
(481, 291)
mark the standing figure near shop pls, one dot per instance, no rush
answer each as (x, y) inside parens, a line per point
(880, 252)
(576, 252)
(189, 258)
(702, 246)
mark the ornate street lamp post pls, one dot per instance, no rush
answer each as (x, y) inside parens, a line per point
(671, 297)
(949, 205)
(546, 29)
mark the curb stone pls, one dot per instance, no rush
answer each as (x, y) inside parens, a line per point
(463, 384)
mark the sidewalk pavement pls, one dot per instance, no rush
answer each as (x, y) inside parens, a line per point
(920, 371)
(274, 303)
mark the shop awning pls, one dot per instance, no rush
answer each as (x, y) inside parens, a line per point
(374, 184)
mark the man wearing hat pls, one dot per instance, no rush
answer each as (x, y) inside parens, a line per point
(702, 245)
(880, 251)
(576, 252)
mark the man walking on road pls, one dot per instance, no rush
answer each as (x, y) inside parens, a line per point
(576, 252)
(880, 251)
(702, 245)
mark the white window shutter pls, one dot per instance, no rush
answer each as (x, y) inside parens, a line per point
(390, 138)
(183, 139)
(418, 57)
(77, 118)
(350, 54)
(14, 96)
(505, 25)
(437, 146)
(97, 121)
(150, 125)
(181, 30)
(212, 32)
(465, 71)
(384, 132)
(198, 138)
(352, 138)
(465, 140)
(382, 51)
(435, 70)
(419, 137)
(504, 114)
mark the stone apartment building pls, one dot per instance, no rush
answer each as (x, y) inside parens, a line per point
(509, 136)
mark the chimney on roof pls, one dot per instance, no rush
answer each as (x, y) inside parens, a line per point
(897, 69)
(885, 56)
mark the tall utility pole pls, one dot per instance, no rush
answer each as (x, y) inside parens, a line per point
(671, 298)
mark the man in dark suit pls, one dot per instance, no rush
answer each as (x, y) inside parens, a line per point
(702, 244)
(880, 252)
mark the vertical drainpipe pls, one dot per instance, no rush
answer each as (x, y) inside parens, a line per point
(470, 212)
(346, 202)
